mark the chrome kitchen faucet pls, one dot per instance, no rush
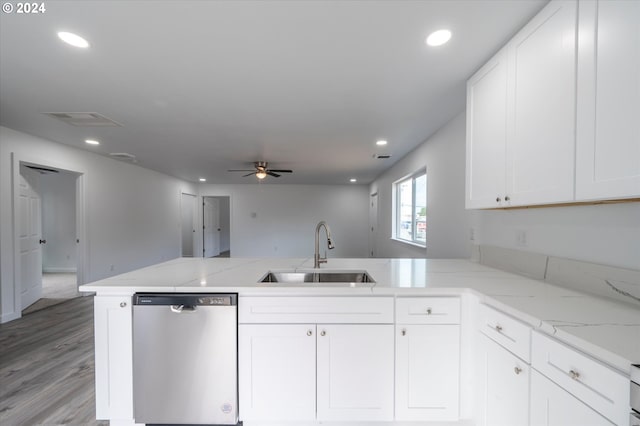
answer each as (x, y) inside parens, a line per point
(317, 260)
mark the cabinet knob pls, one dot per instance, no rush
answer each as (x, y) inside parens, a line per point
(498, 328)
(507, 198)
(404, 332)
(574, 374)
(498, 199)
(428, 311)
(323, 333)
(123, 304)
(309, 332)
(517, 370)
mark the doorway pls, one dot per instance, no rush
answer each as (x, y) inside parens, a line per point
(47, 233)
(216, 227)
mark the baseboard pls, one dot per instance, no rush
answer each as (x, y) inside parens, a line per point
(9, 317)
(59, 270)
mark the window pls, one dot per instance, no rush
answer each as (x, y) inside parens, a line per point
(411, 209)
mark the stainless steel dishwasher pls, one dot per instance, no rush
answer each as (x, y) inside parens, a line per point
(185, 358)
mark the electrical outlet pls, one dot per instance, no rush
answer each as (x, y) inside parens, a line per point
(472, 234)
(521, 238)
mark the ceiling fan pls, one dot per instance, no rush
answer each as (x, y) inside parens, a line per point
(261, 170)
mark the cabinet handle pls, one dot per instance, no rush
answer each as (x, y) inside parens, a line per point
(498, 199)
(323, 333)
(404, 332)
(309, 332)
(428, 311)
(574, 374)
(507, 198)
(123, 304)
(517, 370)
(498, 328)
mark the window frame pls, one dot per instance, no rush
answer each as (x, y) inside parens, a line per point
(397, 206)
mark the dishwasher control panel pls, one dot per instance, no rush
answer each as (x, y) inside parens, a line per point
(186, 299)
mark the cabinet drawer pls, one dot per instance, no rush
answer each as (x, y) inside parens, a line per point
(326, 310)
(428, 310)
(514, 335)
(597, 385)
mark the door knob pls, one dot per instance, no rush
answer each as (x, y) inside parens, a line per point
(43, 241)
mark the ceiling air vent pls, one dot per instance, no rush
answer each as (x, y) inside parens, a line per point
(84, 119)
(382, 156)
(124, 156)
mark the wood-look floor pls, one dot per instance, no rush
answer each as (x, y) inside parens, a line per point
(47, 367)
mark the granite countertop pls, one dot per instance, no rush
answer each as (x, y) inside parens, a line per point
(605, 329)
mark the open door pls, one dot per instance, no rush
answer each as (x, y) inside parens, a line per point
(29, 236)
(211, 226)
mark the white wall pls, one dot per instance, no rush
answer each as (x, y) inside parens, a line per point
(58, 221)
(280, 220)
(605, 233)
(132, 214)
(443, 155)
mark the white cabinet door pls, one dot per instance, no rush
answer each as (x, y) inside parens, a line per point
(541, 108)
(608, 142)
(553, 406)
(277, 372)
(114, 363)
(503, 386)
(486, 134)
(427, 372)
(355, 372)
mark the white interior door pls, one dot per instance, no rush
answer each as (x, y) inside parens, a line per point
(29, 222)
(188, 212)
(211, 226)
(373, 224)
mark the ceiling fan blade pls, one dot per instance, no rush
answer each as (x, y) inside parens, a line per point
(270, 173)
(281, 171)
(248, 174)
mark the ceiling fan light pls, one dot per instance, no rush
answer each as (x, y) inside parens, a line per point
(261, 174)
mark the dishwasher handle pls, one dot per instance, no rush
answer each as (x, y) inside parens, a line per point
(183, 309)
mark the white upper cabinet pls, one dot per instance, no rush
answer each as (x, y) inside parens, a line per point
(541, 108)
(521, 116)
(608, 142)
(487, 134)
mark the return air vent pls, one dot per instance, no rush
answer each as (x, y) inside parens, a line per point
(84, 119)
(124, 156)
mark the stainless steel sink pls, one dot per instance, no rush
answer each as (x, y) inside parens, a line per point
(293, 277)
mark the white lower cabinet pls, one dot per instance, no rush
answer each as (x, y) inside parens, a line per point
(329, 371)
(504, 386)
(277, 376)
(427, 372)
(114, 363)
(355, 372)
(553, 406)
(427, 367)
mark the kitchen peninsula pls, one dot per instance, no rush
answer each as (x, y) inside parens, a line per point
(457, 315)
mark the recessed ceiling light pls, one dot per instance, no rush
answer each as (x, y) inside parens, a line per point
(73, 39)
(438, 38)
(92, 142)
(203, 180)
(352, 180)
(381, 142)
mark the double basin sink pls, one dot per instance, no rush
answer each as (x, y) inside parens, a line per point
(316, 276)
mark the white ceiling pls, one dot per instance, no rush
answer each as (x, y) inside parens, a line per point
(205, 86)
